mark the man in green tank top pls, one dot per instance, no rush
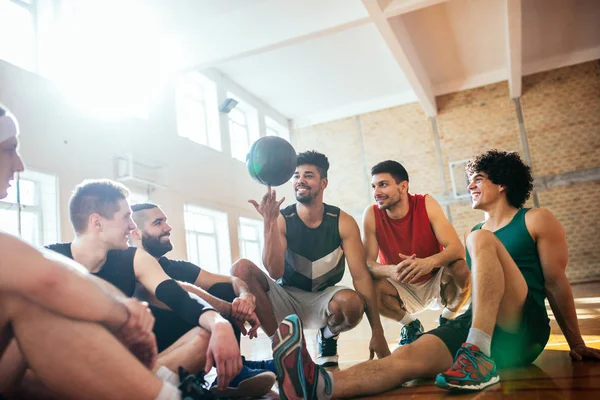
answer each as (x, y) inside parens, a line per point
(517, 256)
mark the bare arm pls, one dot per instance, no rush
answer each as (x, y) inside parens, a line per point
(445, 234)
(57, 284)
(377, 270)
(363, 283)
(223, 307)
(552, 249)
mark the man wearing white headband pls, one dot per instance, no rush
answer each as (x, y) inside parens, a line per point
(72, 329)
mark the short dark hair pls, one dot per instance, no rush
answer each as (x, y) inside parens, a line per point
(506, 169)
(315, 158)
(137, 217)
(91, 196)
(393, 168)
(143, 206)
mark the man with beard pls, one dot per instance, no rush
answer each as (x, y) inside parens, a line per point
(305, 249)
(230, 296)
(101, 218)
(413, 253)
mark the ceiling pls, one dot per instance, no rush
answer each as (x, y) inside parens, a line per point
(319, 60)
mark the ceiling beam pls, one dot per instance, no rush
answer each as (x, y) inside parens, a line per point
(514, 47)
(398, 7)
(398, 40)
(283, 43)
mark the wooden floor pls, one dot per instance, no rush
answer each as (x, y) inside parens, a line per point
(552, 376)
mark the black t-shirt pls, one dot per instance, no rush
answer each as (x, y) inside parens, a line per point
(118, 268)
(180, 270)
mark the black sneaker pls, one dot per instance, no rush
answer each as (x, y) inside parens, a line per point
(410, 332)
(193, 387)
(328, 356)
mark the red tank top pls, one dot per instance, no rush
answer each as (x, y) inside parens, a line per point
(409, 235)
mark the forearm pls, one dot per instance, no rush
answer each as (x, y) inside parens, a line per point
(379, 271)
(560, 298)
(66, 290)
(222, 307)
(239, 287)
(274, 252)
(364, 286)
(211, 319)
(447, 256)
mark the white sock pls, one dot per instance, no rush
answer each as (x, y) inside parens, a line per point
(168, 392)
(166, 375)
(481, 340)
(327, 333)
(407, 319)
(449, 314)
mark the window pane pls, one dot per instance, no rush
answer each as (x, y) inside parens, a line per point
(238, 116)
(207, 249)
(252, 252)
(9, 222)
(248, 232)
(191, 120)
(17, 35)
(239, 141)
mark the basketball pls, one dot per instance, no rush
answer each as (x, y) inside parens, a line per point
(271, 161)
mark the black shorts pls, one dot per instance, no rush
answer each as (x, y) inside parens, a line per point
(169, 327)
(508, 349)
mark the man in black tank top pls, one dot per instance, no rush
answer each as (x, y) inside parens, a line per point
(508, 301)
(306, 245)
(70, 329)
(102, 221)
(230, 296)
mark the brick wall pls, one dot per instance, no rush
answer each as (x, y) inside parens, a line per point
(561, 111)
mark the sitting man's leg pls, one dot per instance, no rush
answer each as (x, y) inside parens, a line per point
(74, 357)
(299, 377)
(392, 306)
(345, 310)
(259, 284)
(499, 294)
(455, 289)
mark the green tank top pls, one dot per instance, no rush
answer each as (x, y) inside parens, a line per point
(522, 248)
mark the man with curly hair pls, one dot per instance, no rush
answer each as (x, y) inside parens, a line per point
(518, 256)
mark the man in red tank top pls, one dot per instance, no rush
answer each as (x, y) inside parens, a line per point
(413, 253)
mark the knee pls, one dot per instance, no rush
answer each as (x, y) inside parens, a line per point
(244, 269)
(459, 272)
(478, 239)
(350, 304)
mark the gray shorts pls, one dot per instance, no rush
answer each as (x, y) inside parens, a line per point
(311, 307)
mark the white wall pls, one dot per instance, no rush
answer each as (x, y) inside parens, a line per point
(58, 138)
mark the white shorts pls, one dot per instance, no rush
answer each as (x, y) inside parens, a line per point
(422, 296)
(311, 307)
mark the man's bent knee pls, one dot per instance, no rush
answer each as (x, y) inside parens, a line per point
(350, 305)
(479, 238)
(244, 269)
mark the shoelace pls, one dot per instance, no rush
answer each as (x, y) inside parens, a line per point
(194, 387)
(465, 353)
(328, 346)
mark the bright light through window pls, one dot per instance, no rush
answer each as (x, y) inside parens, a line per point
(207, 237)
(197, 110)
(17, 34)
(110, 57)
(243, 128)
(251, 240)
(276, 129)
(30, 210)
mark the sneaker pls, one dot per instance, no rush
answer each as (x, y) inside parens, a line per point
(248, 383)
(411, 332)
(328, 356)
(269, 365)
(472, 371)
(193, 387)
(298, 376)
